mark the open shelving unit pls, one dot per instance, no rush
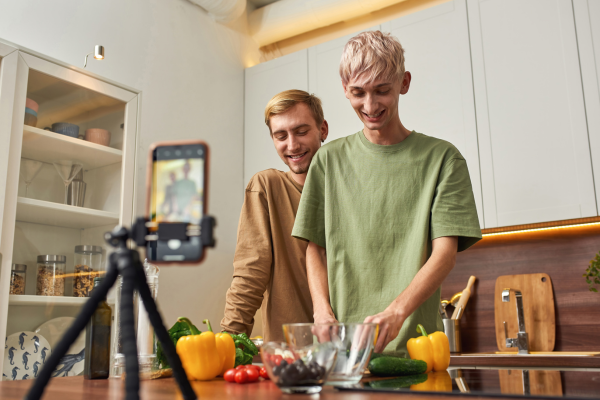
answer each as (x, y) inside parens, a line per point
(47, 146)
(32, 300)
(34, 220)
(62, 215)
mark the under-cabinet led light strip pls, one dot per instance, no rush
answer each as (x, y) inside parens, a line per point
(540, 229)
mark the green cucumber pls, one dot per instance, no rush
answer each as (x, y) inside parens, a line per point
(395, 366)
(398, 383)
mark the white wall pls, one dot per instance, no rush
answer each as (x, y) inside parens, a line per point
(190, 71)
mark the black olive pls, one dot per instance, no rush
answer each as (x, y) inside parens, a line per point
(313, 373)
(290, 374)
(283, 363)
(302, 371)
(277, 370)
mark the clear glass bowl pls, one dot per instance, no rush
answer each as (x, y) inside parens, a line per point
(299, 369)
(354, 343)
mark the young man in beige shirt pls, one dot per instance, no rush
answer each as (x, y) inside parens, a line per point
(269, 263)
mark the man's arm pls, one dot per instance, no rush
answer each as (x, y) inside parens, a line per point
(423, 285)
(316, 270)
(251, 265)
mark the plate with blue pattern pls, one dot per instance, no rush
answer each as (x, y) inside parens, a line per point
(25, 353)
(72, 363)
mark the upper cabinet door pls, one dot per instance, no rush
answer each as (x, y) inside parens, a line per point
(324, 81)
(440, 100)
(264, 81)
(587, 21)
(534, 149)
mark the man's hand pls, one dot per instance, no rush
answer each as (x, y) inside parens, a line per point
(390, 323)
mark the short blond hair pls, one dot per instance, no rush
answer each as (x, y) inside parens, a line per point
(287, 99)
(373, 53)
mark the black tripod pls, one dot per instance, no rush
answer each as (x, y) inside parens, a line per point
(126, 262)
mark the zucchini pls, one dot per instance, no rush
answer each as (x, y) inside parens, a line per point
(398, 383)
(395, 366)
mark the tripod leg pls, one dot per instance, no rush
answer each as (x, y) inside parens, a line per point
(163, 336)
(97, 295)
(129, 345)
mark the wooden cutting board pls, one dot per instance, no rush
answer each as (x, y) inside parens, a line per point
(538, 307)
(540, 382)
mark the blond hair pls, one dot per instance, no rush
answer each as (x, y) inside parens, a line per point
(287, 99)
(373, 54)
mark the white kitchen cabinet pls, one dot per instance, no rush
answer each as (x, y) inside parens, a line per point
(324, 81)
(533, 142)
(587, 21)
(262, 82)
(35, 221)
(440, 100)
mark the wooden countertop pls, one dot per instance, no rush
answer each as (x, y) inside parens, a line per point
(76, 388)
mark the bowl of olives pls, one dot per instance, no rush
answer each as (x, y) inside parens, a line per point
(299, 370)
(354, 341)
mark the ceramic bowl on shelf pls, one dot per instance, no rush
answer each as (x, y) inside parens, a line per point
(32, 105)
(302, 369)
(65, 128)
(98, 136)
(24, 355)
(31, 117)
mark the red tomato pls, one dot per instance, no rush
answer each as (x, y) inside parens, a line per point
(289, 360)
(252, 374)
(251, 366)
(240, 367)
(241, 376)
(263, 373)
(277, 359)
(229, 375)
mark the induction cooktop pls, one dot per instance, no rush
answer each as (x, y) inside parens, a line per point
(535, 383)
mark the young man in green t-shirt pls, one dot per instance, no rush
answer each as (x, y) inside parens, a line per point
(384, 210)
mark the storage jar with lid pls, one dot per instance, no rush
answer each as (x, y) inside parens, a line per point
(51, 275)
(18, 275)
(88, 265)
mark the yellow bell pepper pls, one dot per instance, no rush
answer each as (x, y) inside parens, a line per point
(433, 349)
(206, 355)
(226, 349)
(439, 381)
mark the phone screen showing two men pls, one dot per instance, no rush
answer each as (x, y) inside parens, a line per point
(177, 195)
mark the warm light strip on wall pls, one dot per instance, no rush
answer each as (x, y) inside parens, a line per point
(540, 229)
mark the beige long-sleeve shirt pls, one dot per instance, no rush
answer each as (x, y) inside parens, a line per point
(269, 264)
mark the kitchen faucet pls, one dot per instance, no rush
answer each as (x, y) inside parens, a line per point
(522, 340)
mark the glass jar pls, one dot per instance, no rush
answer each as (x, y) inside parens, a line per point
(18, 275)
(88, 265)
(51, 275)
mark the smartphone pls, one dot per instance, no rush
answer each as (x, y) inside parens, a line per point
(177, 193)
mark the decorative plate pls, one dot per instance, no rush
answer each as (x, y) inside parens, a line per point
(72, 363)
(24, 355)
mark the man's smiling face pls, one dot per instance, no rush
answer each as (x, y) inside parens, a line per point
(297, 137)
(376, 102)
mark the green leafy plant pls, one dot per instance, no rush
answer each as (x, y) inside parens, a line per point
(592, 273)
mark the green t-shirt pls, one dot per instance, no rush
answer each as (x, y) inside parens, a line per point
(376, 209)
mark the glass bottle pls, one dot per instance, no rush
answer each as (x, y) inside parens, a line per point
(97, 341)
(146, 340)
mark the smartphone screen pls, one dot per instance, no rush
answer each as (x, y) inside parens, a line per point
(177, 195)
